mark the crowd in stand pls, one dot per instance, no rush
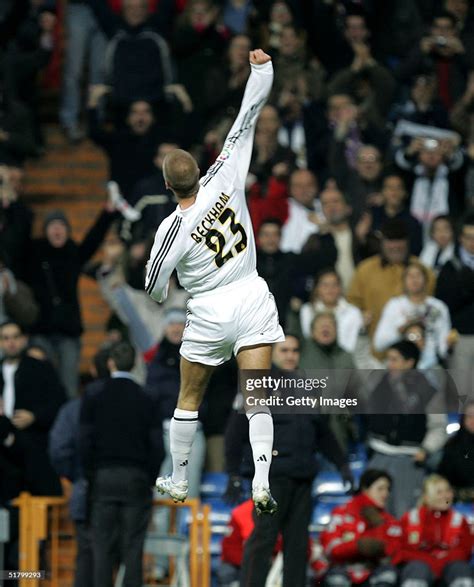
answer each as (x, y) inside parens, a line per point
(361, 194)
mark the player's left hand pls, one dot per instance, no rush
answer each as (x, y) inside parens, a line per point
(259, 57)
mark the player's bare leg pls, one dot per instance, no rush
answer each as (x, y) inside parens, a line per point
(183, 426)
(260, 431)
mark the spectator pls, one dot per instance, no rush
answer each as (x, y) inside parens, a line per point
(85, 41)
(31, 396)
(455, 287)
(293, 469)
(402, 431)
(292, 65)
(136, 41)
(462, 113)
(431, 164)
(198, 43)
(394, 195)
(280, 15)
(343, 128)
(323, 352)
(379, 278)
(17, 141)
(151, 199)
(423, 105)
(363, 537)
(17, 302)
(121, 449)
(440, 248)
(327, 297)
(268, 151)
(335, 47)
(236, 14)
(131, 149)
(371, 85)
(28, 52)
(413, 306)
(64, 452)
(241, 526)
(455, 466)
(225, 82)
(436, 542)
(443, 52)
(337, 213)
(362, 184)
(55, 264)
(302, 206)
(284, 272)
(15, 221)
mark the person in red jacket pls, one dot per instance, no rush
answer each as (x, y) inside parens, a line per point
(362, 537)
(436, 541)
(241, 525)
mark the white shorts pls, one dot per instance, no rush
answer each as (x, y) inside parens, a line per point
(223, 321)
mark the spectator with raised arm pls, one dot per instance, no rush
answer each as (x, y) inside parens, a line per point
(56, 261)
(432, 164)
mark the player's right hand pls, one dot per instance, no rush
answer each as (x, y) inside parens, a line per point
(259, 57)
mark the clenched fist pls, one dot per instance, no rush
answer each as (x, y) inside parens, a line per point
(259, 57)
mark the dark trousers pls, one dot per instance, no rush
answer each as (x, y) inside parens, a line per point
(84, 556)
(292, 520)
(121, 510)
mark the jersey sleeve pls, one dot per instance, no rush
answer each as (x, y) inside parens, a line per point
(231, 166)
(164, 257)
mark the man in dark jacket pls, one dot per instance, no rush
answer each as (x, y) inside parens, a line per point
(455, 286)
(138, 62)
(56, 262)
(121, 447)
(131, 148)
(30, 396)
(287, 274)
(64, 452)
(297, 438)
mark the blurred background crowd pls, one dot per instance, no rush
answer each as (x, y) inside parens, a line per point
(361, 194)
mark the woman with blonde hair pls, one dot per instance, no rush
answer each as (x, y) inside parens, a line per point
(436, 541)
(415, 305)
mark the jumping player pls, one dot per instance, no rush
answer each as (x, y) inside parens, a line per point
(210, 242)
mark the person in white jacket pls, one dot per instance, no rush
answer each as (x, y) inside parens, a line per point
(415, 306)
(327, 297)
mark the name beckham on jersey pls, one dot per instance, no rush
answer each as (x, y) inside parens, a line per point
(205, 226)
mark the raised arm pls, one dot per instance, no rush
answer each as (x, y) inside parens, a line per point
(164, 257)
(231, 166)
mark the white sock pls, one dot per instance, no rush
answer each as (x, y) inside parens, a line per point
(261, 440)
(183, 428)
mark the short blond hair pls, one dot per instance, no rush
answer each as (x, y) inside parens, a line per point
(181, 173)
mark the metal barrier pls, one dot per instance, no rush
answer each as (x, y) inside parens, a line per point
(40, 522)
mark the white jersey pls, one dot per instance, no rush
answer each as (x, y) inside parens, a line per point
(211, 243)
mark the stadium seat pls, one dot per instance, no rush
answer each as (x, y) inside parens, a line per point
(467, 510)
(329, 485)
(213, 485)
